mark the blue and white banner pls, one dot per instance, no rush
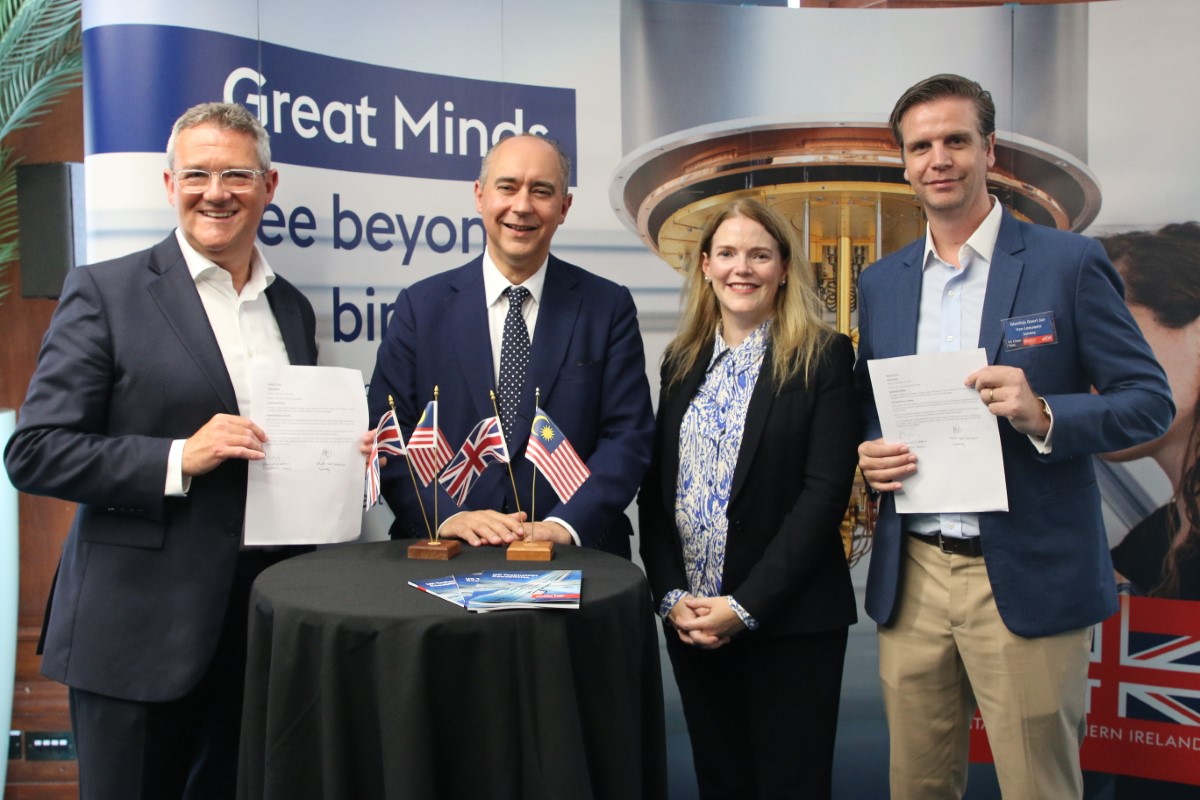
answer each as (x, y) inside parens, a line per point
(321, 111)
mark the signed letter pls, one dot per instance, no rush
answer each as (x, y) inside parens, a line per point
(923, 403)
(309, 488)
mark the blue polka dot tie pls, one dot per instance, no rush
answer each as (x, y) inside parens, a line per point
(514, 358)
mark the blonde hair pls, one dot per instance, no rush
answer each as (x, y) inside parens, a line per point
(797, 330)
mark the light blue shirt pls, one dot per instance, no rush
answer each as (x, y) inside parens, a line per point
(948, 321)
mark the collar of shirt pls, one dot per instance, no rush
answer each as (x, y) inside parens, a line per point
(982, 242)
(204, 270)
(746, 355)
(494, 284)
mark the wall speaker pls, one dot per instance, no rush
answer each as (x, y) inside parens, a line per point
(51, 220)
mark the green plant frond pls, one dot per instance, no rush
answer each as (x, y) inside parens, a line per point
(9, 163)
(33, 42)
(38, 29)
(9, 243)
(8, 197)
(25, 102)
(40, 59)
(9, 10)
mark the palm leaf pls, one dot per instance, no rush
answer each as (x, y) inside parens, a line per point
(8, 215)
(29, 93)
(40, 59)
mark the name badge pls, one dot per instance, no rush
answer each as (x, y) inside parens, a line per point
(1034, 330)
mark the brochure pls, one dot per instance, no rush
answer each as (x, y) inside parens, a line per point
(558, 588)
(500, 589)
(445, 588)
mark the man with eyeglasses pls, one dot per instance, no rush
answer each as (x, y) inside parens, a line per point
(139, 411)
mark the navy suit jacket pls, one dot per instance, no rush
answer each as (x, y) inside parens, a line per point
(784, 558)
(1047, 556)
(129, 364)
(586, 357)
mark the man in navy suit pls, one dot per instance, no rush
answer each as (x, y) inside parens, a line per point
(586, 358)
(139, 412)
(995, 609)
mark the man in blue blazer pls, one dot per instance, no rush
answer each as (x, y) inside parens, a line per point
(994, 609)
(586, 358)
(138, 412)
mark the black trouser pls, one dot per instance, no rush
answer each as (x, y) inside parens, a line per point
(185, 748)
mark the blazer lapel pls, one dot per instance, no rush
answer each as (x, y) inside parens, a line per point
(558, 313)
(466, 316)
(757, 412)
(907, 294)
(1004, 276)
(291, 328)
(174, 291)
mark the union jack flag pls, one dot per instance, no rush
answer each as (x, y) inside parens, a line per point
(484, 446)
(428, 449)
(1143, 702)
(550, 452)
(387, 440)
(387, 435)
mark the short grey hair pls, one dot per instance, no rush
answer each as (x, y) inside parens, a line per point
(227, 116)
(564, 161)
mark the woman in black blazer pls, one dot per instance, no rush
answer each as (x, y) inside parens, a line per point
(752, 465)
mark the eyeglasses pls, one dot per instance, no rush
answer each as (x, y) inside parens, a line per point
(197, 181)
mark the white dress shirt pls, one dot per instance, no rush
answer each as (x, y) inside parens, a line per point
(246, 331)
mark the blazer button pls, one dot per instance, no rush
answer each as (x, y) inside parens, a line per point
(232, 529)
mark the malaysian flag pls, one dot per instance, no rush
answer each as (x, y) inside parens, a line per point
(484, 445)
(428, 450)
(387, 440)
(550, 452)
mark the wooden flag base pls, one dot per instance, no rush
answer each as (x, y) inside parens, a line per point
(531, 551)
(441, 550)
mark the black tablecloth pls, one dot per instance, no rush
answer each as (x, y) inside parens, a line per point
(359, 686)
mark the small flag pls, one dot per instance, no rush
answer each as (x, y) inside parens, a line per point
(485, 445)
(550, 452)
(428, 449)
(387, 440)
(387, 435)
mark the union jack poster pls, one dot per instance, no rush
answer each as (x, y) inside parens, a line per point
(1143, 711)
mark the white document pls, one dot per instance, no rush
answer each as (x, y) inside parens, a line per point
(923, 403)
(309, 488)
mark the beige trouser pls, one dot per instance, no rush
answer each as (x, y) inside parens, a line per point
(948, 650)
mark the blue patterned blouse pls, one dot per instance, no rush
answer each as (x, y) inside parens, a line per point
(709, 439)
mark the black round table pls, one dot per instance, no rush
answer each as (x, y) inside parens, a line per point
(360, 686)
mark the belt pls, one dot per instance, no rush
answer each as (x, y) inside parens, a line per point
(949, 544)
